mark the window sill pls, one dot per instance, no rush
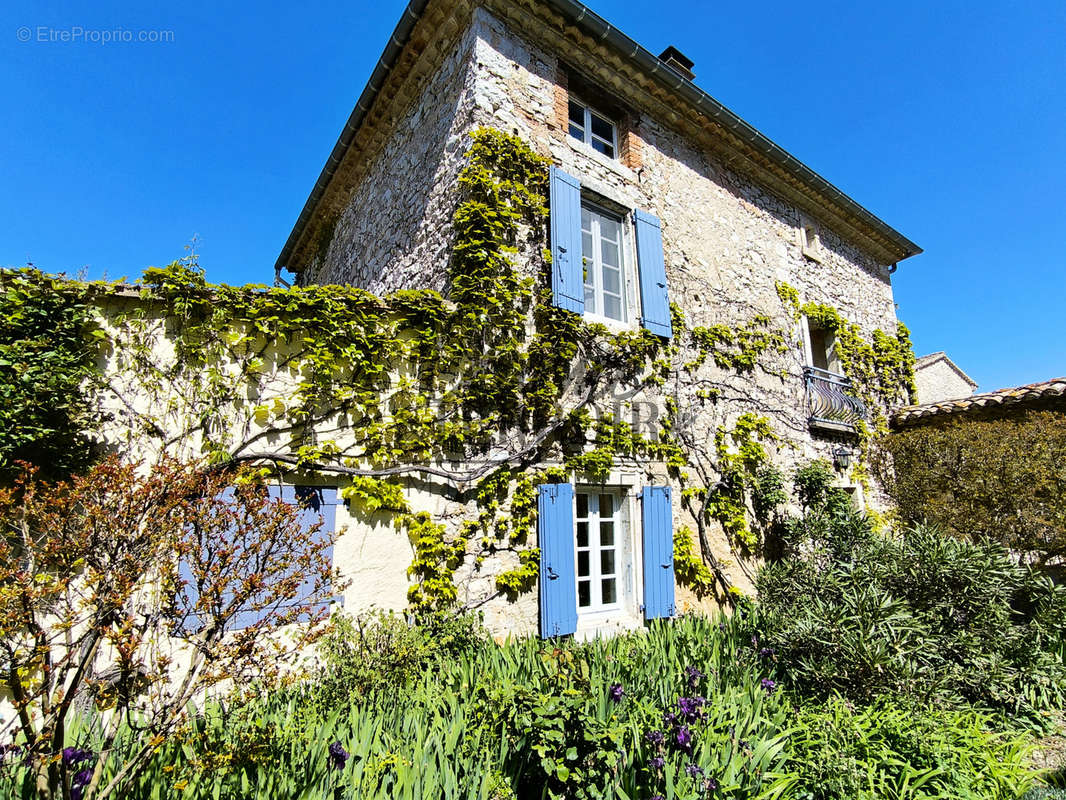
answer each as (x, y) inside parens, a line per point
(593, 624)
(613, 164)
(612, 325)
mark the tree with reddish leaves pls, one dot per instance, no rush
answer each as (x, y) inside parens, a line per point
(136, 590)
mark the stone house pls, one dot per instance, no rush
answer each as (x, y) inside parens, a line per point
(938, 378)
(671, 201)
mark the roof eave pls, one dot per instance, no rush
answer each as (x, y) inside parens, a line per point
(595, 26)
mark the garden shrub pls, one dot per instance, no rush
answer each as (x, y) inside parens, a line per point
(919, 615)
(1003, 479)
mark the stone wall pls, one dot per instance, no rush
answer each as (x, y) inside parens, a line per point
(937, 381)
(395, 232)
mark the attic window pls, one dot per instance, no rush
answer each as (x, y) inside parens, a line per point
(810, 242)
(593, 128)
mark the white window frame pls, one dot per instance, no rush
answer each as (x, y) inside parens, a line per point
(594, 266)
(587, 136)
(622, 546)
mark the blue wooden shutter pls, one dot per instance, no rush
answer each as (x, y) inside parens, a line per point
(314, 504)
(658, 521)
(568, 272)
(654, 298)
(558, 580)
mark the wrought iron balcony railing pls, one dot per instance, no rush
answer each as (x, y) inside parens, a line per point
(829, 400)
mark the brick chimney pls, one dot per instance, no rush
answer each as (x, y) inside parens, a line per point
(676, 59)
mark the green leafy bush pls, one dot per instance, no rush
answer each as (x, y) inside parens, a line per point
(922, 616)
(1003, 479)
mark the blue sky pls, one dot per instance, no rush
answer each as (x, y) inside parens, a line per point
(946, 119)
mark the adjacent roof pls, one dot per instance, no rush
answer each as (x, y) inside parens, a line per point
(1033, 395)
(940, 355)
(781, 170)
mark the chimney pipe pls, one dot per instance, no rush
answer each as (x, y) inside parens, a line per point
(673, 57)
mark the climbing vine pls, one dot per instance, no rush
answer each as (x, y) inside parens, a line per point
(49, 341)
(488, 389)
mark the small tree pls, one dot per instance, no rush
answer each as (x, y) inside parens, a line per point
(1004, 479)
(122, 589)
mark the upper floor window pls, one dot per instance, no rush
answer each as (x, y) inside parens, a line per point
(602, 255)
(823, 350)
(593, 128)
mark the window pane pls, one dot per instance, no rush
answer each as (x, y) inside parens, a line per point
(582, 505)
(586, 245)
(609, 253)
(582, 534)
(584, 598)
(603, 147)
(606, 562)
(612, 307)
(602, 127)
(606, 505)
(606, 533)
(577, 113)
(609, 594)
(576, 132)
(612, 281)
(583, 563)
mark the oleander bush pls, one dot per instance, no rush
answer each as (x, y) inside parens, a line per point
(916, 615)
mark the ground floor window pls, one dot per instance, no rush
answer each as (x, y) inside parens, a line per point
(602, 533)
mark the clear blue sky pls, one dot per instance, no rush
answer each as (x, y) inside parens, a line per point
(946, 119)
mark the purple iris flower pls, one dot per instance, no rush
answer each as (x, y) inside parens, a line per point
(767, 652)
(655, 737)
(83, 778)
(616, 692)
(692, 676)
(710, 784)
(76, 792)
(683, 739)
(657, 762)
(768, 685)
(690, 707)
(72, 756)
(694, 771)
(338, 756)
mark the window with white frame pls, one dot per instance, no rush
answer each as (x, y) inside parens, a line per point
(593, 128)
(605, 277)
(601, 549)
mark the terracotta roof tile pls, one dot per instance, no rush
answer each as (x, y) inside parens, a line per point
(1032, 393)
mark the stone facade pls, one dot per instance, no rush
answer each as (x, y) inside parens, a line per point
(938, 378)
(728, 242)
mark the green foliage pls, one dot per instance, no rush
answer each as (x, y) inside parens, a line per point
(371, 494)
(739, 348)
(435, 710)
(1003, 479)
(49, 345)
(688, 564)
(920, 616)
(434, 562)
(742, 458)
